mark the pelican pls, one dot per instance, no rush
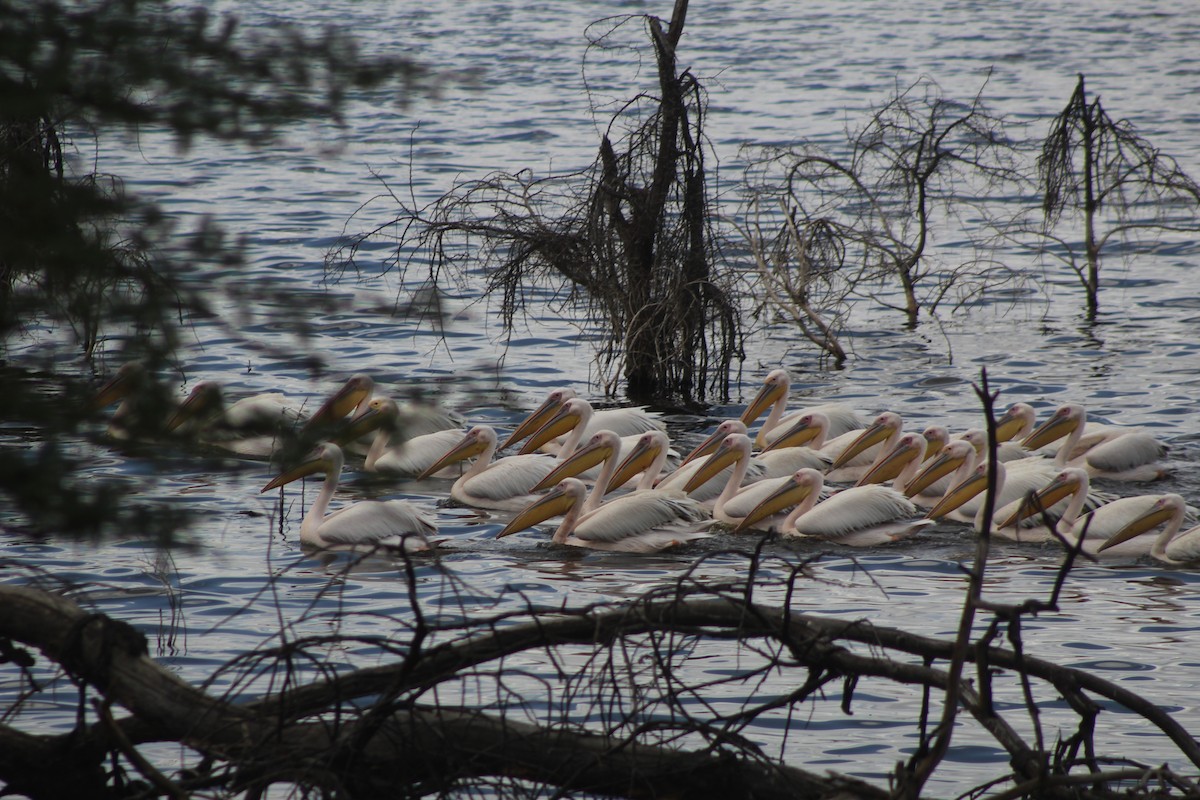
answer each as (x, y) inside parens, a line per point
(709, 489)
(861, 516)
(504, 484)
(735, 501)
(774, 395)
(777, 463)
(259, 426)
(621, 421)
(573, 417)
(1108, 452)
(392, 451)
(144, 404)
(1127, 516)
(639, 522)
(811, 429)
(353, 397)
(966, 500)
(951, 465)
(1173, 545)
(368, 524)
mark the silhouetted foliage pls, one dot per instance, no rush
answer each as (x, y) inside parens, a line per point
(85, 266)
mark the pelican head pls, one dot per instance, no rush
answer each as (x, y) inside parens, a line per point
(948, 459)
(326, 457)
(909, 446)
(804, 430)
(204, 400)
(476, 442)
(1064, 484)
(790, 493)
(540, 416)
(776, 386)
(1062, 422)
(570, 415)
(880, 429)
(381, 412)
(648, 447)
(961, 492)
(603, 445)
(130, 378)
(350, 396)
(710, 444)
(1018, 418)
(935, 437)
(1166, 508)
(558, 501)
(733, 447)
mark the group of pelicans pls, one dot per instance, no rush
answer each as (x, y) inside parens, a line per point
(611, 475)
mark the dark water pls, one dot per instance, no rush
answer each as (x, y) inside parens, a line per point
(778, 71)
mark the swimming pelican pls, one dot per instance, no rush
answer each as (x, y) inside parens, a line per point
(506, 483)
(144, 405)
(259, 426)
(965, 502)
(777, 463)
(392, 524)
(774, 395)
(627, 421)
(569, 425)
(353, 397)
(811, 429)
(952, 464)
(1173, 545)
(393, 451)
(1097, 527)
(861, 516)
(638, 522)
(1107, 452)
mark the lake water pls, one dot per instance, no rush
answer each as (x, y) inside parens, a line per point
(776, 71)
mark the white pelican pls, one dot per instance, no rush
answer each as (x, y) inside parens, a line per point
(144, 405)
(853, 453)
(774, 395)
(951, 465)
(413, 419)
(393, 451)
(638, 522)
(965, 502)
(1173, 545)
(735, 501)
(1127, 516)
(1108, 452)
(708, 489)
(627, 421)
(259, 426)
(505, 484)
(777, 463)
(368, 524)
(861, 516)
(567, 427)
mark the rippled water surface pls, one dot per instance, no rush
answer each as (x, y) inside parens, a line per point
(776, 71)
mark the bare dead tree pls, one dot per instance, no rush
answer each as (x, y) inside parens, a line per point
(629, 240)
(921, 160)
(1102, 175)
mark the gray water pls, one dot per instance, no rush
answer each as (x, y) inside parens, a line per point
(777, 71)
